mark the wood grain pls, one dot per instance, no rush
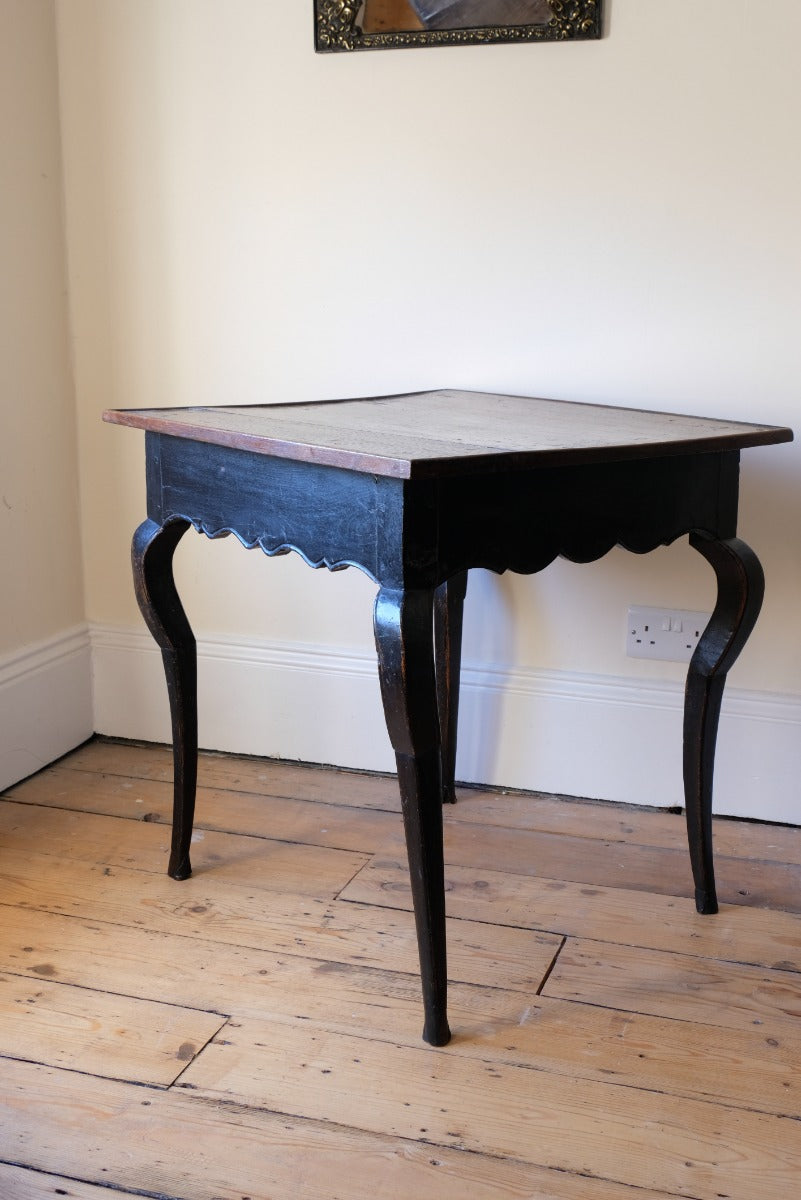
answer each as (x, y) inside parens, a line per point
(447, 431)
(98, 1033)
(753, 1067)
(609, 1043)
(615, 915)
(572, 852)
(655, 869)
(350, 996)
(255, 778)
(274, 815)
(524, 1116)
(237, 915)
(24, 1184)
(258, 776)
(681, 986)
(282, 866)
(183, 1148)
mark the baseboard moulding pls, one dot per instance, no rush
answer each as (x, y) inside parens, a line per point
(602, 737)
(45, 702)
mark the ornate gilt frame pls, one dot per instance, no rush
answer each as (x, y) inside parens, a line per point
(336, 29)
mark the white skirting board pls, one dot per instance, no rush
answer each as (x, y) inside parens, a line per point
(45, 702)
(596, 736)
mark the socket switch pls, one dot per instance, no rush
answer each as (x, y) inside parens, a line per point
(670, 634)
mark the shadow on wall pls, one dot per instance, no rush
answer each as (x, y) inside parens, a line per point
(492, 644)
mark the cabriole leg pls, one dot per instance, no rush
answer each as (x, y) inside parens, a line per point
(404, 639)
(151, 555)
(741, 586)
(448, 615)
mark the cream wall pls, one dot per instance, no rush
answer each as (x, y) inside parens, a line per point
(45, 703)
(42, 589)
(613, 221)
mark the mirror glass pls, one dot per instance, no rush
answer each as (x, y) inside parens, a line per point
(401, 15)
(387, 24)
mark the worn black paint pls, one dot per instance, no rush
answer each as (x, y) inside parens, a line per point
(417, 538)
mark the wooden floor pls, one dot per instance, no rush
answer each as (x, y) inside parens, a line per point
(254, 1032)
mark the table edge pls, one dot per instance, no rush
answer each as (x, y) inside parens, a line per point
(418, 468)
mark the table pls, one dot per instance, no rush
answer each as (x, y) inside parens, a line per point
(415, 490)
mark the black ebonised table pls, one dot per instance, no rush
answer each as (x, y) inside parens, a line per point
(415, 490)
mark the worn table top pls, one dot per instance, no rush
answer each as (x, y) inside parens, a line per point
(445, 432)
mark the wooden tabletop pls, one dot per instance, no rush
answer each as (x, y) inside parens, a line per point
(446, 432)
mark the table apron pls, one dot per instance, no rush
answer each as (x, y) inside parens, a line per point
(522, 520)
(419, 533)
(332, 517)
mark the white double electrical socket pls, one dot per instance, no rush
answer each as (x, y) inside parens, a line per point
(670, 634)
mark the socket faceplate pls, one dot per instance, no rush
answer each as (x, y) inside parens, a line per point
(670, 634)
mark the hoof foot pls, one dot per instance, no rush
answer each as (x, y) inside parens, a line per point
(180, 869)
(705, 902)
(437, 1033)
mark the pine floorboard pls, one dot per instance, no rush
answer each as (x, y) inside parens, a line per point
(254, 1032)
